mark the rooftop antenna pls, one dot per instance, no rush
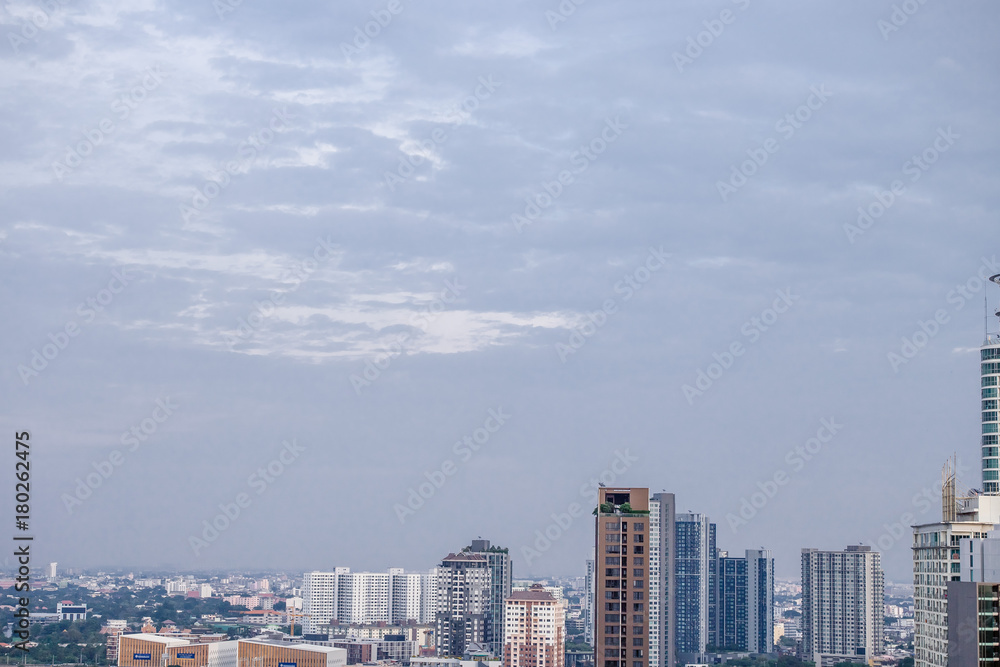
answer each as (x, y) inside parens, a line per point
(996, 279)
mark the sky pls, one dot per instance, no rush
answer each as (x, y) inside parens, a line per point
(306, 285)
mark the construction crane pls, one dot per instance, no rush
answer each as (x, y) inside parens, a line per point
(292, 616)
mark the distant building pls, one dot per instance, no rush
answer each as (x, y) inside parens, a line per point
(464, 586)
(534, 629)
(588, 601)
(499, 565)
(69, 611)
(662, 580)
(112, 631)
(360, 598)
(52, 570)
(694, 566)
(254, 653)
(621, 540)
(745, 614)
(843, 604)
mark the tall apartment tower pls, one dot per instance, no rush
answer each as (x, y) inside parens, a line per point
(843, 604)
(498, 561)
(590, 585)
(464, 584)
(622, 592)
(760, 600)
(937, 547)
(989, 356)
(662, 608)
(733, 610)
(695, 561)
(534, 629)
(366, 597)
(745, 617)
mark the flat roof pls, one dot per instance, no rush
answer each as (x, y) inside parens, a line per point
(297, 647)
(169, 641)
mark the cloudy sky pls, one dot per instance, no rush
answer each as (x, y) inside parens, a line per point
(385, 277)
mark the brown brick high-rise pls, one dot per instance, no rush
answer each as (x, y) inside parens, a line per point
(621, 613)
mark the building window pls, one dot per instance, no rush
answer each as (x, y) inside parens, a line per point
(637, 549)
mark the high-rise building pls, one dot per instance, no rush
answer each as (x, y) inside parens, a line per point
(662, 610)
(695, 561)
(732, 614)
(366, 597)
(745, 616)
(588, 601)
(989, 356)
(534, 629)
(498, 560)
(464, 583)
(52, 570)
(937, 547)
(621, 540)
(760, 600)
(843, 604)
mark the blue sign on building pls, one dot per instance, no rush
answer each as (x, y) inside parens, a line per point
(141, 656)
(185, 656)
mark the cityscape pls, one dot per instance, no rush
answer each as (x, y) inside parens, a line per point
(530, 333)
(658, 590)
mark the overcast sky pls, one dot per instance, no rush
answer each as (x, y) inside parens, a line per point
(484, 248)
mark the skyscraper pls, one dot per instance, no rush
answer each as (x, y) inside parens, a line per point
(694, 565)
(937, 546)
(621, 534)
(498, 562)
(590, 585)
(843, 604)
(989, 356)
(760, 600)
(745, 615)
(662, 610)
(733, 609)
(464, 584)
(534, 629)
